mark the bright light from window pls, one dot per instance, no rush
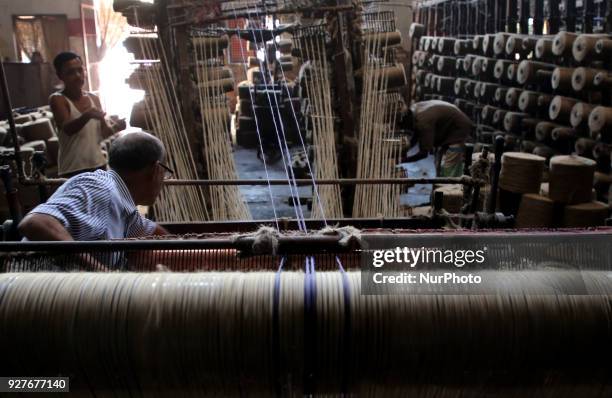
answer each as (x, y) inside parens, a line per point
(118, 98)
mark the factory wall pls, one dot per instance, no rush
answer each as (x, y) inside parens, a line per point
(70, 8)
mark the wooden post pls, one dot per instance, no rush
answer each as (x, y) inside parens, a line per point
(514, 11)
(537, 10)
(551, 10)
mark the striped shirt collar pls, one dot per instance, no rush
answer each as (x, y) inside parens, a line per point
(123, 190)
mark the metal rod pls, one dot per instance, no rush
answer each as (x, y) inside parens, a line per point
(286, 244)
(499, 150)
(9, 110)
(302, 182)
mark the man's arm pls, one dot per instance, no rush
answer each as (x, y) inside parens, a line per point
(107, 131)
(159, 230)
(43, 227)
(61, 114)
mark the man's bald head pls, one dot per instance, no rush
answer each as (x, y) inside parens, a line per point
(134, 152)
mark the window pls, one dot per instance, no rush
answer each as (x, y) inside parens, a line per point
(43, 35)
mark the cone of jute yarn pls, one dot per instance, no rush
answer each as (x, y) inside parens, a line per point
(571, 179)
(452, 201)
(41, 129)
(521, 172)
(535, 211)
(590, 214)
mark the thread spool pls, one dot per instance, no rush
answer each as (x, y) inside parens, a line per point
(602, 80)
(477, 66)
(600, 119)
(528, 44)
(584, 46)
(488, 43)
(544, 131)
(514, 45)
(462, 47)
(543, 48)
(469, 88)
(603, 47)
(544, 101)
(499, 43)
(571, 179)
(487, 114)
(498, 118)
(561, 109)
(527, 71)
(488, 67)
(477, 43)
(511, 72)
(521, 172)
(432, 62)
(426, 43)
(446, 85)
(423, 58)
(446, 45)
(580, 115)
(562, 79)
(562, 134)
(453, 197)
(513, 122)
(446, 65)
(499, 72)
(510, 142)
(417, 30)
(584, 147)
(487, 90)
(562, 43)
(583, 78)
(529, 125)
(477, 90)
(41, 129)
(585, 215)
(500, 95)
(460, 86)
(394, 75)
(528, 101)
(545, 152)
(535, 211)
(467, 63)
(528, 146)
(512, 97)
(285, 46)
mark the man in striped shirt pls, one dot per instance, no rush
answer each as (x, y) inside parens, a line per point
(101, 205)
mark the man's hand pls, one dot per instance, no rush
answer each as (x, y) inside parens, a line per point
(94, 113)
(119, 125)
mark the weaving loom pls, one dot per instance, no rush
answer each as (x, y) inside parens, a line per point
(271, 327)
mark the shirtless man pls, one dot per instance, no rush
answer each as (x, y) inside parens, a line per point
(80, 120)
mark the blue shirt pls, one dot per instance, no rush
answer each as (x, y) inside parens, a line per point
(96, 206)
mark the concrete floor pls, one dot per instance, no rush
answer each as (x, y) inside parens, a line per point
(258, 197)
